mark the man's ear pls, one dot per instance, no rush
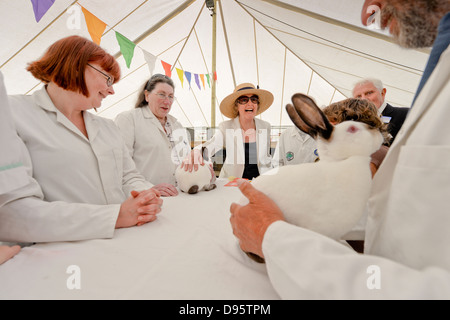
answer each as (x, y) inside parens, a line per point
(383, 93)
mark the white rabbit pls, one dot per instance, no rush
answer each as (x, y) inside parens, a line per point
(328, 196)
(192, 182)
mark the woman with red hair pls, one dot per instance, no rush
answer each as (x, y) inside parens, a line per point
(77, 157)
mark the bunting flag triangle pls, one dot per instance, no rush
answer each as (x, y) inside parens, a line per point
(126, 47)
(207, 79)
(95, 26)
(167, 68)
(197, 81)
(40, 7)
(180, 76)
(188, 77)
(151, 61)
(202, 77)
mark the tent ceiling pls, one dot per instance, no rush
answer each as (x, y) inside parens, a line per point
(316, 47)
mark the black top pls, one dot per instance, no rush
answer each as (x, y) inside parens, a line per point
(251, 161)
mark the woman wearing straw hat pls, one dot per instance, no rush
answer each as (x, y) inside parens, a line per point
(245, 138)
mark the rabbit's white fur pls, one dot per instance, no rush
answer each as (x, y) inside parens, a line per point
(328, 196)
(201, 178)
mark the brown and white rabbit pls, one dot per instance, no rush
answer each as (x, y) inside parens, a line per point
(328, 196)
(195, 181)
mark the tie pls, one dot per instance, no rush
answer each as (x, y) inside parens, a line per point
(440, 44)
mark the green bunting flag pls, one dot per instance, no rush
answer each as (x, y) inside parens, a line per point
(126, 47)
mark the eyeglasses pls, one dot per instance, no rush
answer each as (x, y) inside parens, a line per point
(109, 79)
(245, 99)
(162, 96)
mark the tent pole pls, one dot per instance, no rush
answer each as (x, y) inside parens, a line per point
(213, 87)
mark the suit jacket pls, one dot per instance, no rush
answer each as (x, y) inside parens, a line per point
(397, 115)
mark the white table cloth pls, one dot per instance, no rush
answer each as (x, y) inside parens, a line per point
(189, 252)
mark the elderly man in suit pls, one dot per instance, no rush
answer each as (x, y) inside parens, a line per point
(372, 89)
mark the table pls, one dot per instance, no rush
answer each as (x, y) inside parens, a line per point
(189, 252)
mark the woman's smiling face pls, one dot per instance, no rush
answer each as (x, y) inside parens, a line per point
(249, 109)
(160, 99)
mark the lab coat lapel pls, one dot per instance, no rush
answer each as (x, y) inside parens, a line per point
(43, 100)
(91, 125)
(148, 114)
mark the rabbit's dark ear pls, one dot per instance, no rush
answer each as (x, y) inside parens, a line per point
(299, 123)
(312, 116)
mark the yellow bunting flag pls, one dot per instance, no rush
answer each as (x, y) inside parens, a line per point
(180, 75)
(95, 26)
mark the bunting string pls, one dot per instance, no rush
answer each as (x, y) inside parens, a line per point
(96, 28)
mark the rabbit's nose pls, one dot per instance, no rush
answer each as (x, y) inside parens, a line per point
(352, 129)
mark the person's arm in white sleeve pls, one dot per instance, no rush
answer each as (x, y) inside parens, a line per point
(12, 173)
(306, 265)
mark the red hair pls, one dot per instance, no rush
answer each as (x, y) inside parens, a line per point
(64, 63)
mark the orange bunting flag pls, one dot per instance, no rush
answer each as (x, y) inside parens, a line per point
(95, 26)
(167, 68)
(202, 77)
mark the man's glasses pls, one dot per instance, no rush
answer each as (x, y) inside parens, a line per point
(162, 96)
(245, 99)
(109, 79)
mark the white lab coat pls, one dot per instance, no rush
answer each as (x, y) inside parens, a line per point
(407, 234)
(149, 146)
(229, 136)
(83, 182)
(68, 166)
(294, 147)
(13, 174)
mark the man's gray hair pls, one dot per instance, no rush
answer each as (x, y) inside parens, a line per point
(377, 83)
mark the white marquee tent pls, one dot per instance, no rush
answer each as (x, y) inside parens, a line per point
(317, 47)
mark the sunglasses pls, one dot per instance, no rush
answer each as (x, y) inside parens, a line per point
(245, 99)
(109, 79)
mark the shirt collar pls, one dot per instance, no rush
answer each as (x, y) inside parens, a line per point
(382, 107)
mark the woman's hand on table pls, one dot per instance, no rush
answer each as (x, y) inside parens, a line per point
(166, 189)
(140, 208)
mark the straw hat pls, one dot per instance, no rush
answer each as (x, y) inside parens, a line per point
(227, 104)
